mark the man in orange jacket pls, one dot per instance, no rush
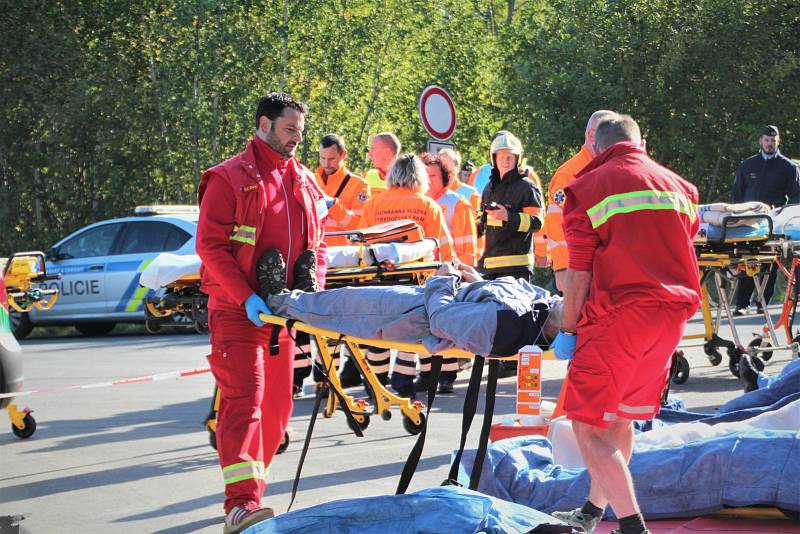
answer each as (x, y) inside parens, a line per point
(563, 178)
(383, 152)
(347, 192)
(405, 198)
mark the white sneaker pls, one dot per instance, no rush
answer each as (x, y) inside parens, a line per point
(241, 517)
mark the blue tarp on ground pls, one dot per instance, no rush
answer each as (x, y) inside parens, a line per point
(700, 477)
(442, 510)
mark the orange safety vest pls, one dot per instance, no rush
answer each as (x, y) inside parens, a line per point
(351, 192)
(402, 203)
(562, 178)
(461, 222)
(539, 239)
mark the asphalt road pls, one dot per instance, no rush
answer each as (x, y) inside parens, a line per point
(135, 458)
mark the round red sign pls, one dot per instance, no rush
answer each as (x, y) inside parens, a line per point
(438, 113)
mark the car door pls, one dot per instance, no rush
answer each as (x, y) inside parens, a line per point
(81, 262)
(139, 244)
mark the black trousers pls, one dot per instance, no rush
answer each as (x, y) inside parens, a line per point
(746, 286)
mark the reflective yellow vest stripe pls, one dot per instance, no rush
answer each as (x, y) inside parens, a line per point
(639, 201)
(244, 234)
(497, 262)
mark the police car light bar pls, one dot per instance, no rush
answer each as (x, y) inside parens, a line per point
(164, 209)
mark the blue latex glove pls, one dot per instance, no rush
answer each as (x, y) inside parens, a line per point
(564, 345)
(330, 201)
(253, 306)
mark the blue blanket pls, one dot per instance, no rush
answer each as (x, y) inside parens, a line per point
(443, 510)
(701, 477)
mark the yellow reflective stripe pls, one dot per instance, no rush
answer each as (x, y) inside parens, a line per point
(639, 201)
(524, 222)
(522, 260)
(244, 234)
(136, 300)
(244, 471)
(493, 222)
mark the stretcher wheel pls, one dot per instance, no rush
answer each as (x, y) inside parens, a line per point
(152, 325)
(411, 427)
(761, 342)
(284, 443)
(733, 365)
(714, 356)
(362, 425)
(28, 430)
(682, 373)
(212, 439)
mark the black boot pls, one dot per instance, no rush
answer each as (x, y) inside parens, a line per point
(305, 272)
(422, 382)
(508, 368)
(271, 273)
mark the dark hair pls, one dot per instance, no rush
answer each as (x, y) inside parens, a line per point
(273, 104)
(448, 171)
(614, 129)
(330, 140)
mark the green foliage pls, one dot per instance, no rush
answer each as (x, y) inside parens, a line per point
(109, 104)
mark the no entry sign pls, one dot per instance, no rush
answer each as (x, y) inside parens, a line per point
(437, 112)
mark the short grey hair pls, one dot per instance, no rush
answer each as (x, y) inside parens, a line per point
(596, 117)
(390, 140)
(615, 129)
(455, 155)
(408, 172)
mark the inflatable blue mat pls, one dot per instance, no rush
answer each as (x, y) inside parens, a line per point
(442, 510)
(697, 478)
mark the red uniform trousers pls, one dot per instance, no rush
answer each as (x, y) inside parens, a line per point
(255, 401)
(622, 361)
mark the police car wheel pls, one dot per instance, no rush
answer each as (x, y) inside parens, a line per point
(94, 329)
(21, 324)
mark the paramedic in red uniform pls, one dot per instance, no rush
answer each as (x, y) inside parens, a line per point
(630, 287)
(260, 198)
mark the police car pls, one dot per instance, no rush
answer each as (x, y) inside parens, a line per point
(100, 266)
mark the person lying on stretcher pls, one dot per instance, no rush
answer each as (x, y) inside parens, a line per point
(455, 308)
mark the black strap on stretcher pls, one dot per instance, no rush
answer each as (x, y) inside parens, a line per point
(416, 453)
(470, 407)
(321, 391)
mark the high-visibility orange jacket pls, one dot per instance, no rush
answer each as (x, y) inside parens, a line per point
(563, 177)
(461, 223)
(539, 239)
(351, 192)
(473, 197)
(376, 182)
(402, 203)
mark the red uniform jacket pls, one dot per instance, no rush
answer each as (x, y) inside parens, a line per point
(632, 223)
(248, 203)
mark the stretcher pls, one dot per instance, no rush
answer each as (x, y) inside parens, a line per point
(394, 253)
(736, 243)
(181, 302)
(19, 291)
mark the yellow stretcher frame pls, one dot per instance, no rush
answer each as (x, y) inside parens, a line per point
(715, 259)
(412, 411)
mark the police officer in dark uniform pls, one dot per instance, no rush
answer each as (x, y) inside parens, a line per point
(771, 178)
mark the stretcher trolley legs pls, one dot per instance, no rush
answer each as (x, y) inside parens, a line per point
(382, 399)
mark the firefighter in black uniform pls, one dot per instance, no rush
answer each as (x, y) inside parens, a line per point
(511, 206)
